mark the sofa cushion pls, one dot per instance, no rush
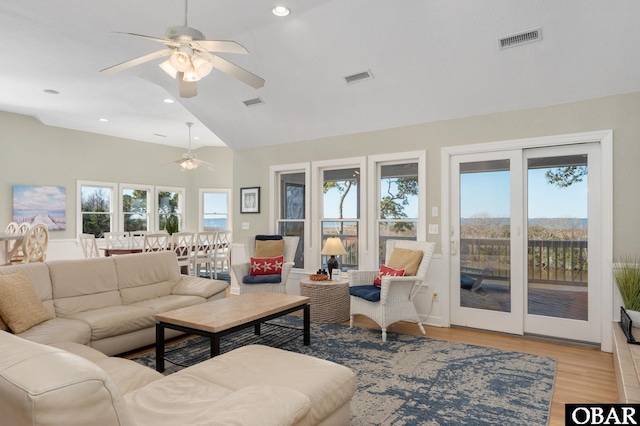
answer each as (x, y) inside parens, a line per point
(43, 385)
(144, 276)
(327, 385)
(366, 292)
(406, 259)
(169, 303)
(262, 279)
(59, 330)
(116, 320)
(20, 306)
(83, 284)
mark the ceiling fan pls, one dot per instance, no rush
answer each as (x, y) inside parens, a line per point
(190, 58)
(190, 161)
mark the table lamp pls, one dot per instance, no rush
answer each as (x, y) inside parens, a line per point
(333, 247)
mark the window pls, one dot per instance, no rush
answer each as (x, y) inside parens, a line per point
(136, 207)
(341, 212)
(214, 209)
(96, 207)
(292, 215)
(170, 202)
(399, 182)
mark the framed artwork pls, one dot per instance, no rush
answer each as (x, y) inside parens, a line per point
(250, 200)
(293, 201)
(40, 204)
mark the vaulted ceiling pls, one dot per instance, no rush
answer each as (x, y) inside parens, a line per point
(430, 60)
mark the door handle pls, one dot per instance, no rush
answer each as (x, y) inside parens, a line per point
(453, 247)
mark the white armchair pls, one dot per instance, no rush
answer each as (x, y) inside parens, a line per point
(241, 270)
(395, 294)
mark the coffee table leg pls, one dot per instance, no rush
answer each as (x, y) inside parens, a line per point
(215, 346)
(307, 325)
(159, 347)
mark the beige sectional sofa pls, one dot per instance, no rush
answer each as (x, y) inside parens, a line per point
(109, 303)
(72, 384)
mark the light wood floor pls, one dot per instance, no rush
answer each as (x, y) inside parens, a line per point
(583, 375)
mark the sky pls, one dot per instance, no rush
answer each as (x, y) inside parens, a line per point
(488, 194)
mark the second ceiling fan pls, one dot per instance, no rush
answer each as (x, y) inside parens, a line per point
(190, 58)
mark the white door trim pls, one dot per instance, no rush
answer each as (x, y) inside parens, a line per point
(605, 139)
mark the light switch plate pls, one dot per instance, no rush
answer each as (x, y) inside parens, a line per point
(245, 225)
(433, 229)
(434, 211)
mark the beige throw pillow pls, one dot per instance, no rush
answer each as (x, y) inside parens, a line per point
(20, 306)
(269, 248)
(406, 259)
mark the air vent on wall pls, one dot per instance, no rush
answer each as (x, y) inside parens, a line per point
(253, 102)
(361, 76)
(518, 39)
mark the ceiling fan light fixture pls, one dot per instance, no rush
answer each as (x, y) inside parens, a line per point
(168, 68)
(181, 58)
(202, 66)
(190, 164)
(190, 75)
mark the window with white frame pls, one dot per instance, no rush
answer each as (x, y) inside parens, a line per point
(96, 207)
(341, 212)
(399, 182)
(136, 212)
(170, 201)
(291, 212)
(215, 208)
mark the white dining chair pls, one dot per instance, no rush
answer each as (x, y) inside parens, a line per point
(116, 239)
(182, 244)
(155, 242)
(221, 252)
(89, 245)
(35, 243)
(202, 252)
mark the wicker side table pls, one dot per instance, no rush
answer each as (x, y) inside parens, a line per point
(329, 300)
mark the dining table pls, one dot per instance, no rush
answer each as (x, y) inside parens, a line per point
(7, 252)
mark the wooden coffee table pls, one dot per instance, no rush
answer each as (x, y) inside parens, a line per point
(225, 316)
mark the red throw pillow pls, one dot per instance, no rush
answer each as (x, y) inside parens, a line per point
(387, 270)
(266, 265)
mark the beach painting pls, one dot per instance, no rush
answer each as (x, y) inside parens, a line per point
(40, 204)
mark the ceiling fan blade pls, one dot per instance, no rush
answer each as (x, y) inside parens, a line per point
(205, 164)
(166, 41)
(224, 46)
(137, 61)
(237, 72)
(187, 88)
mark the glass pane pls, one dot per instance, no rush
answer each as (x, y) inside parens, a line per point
(293, 192)
(397, 230)
(341, 193)
(348, 233)
(168, 202)
(215, 211)
(485, 235)
(96, 223)
(95, 199)
(557, 237)
(293, 229)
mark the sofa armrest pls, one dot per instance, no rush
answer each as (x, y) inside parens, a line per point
(195, 286)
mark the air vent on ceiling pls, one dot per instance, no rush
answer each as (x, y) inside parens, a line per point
(361, 76)
(524, 37)
(253, 102)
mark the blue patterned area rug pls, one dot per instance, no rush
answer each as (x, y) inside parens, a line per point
(409, 380)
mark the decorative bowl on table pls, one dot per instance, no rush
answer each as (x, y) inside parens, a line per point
(318, 277)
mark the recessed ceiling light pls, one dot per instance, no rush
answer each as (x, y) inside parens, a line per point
(103, 119)
(281, 11)
(51, 92)
(196, 138)
(168, 101)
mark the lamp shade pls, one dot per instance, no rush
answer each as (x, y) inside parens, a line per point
(333, 247)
